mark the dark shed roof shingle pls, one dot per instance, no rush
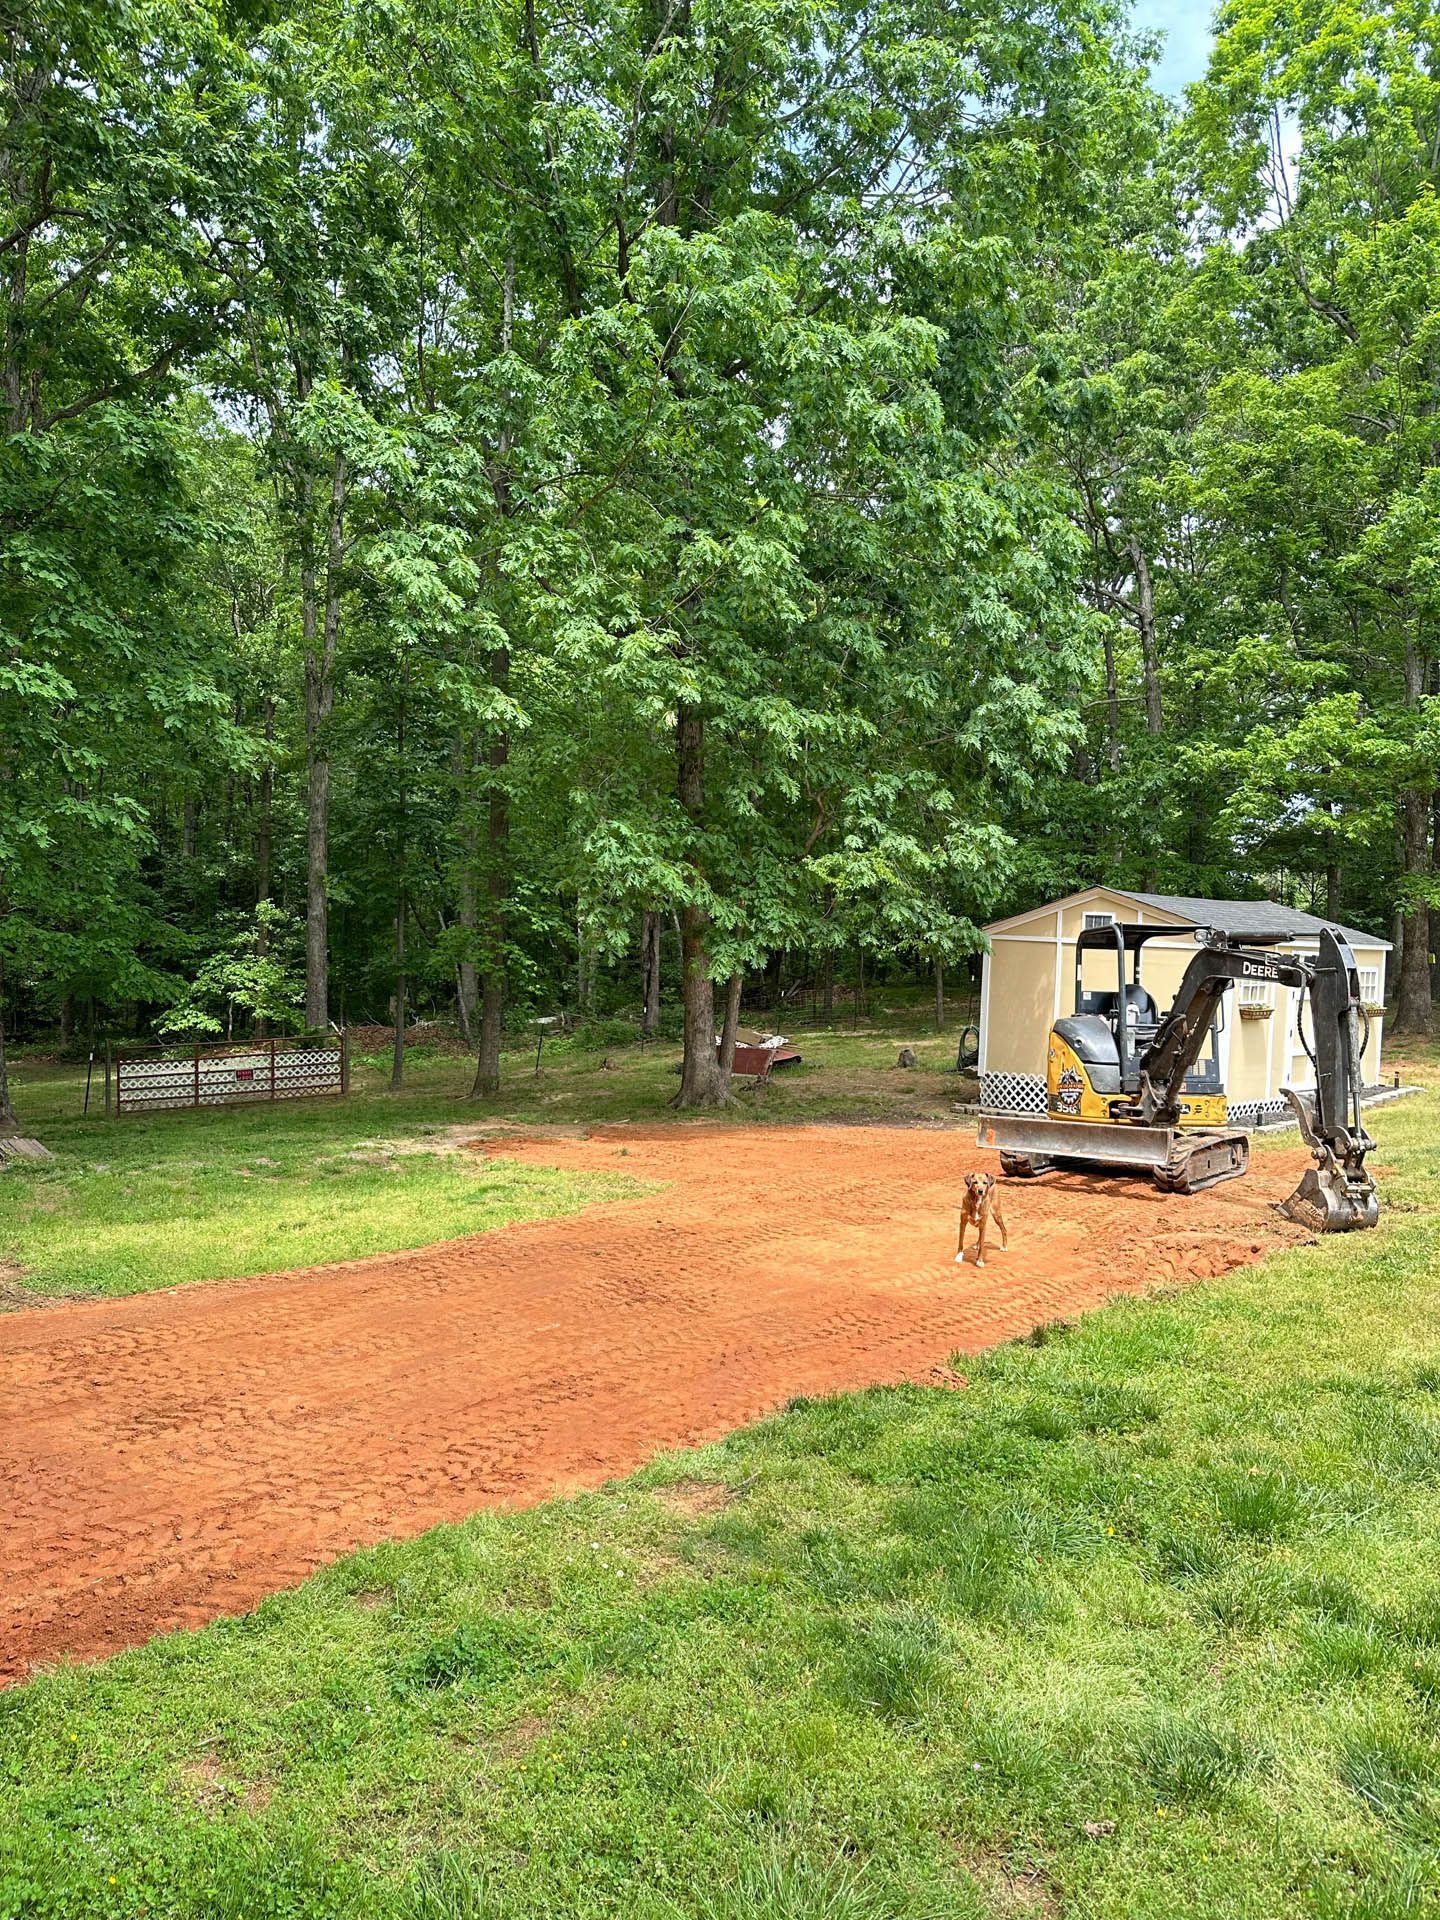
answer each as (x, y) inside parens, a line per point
(1247, 916)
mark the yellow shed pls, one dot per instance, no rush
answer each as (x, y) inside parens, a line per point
(1028, 980)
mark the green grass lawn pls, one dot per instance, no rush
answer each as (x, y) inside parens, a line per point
(1141, 1621)
(157, 1199)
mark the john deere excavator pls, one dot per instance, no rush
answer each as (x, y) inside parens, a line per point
(1125, 1085)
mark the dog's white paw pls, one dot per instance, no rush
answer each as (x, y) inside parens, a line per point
(979, 1263)
(959, 1259)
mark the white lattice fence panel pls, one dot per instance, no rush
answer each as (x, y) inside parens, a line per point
(153, 1084)
(1012, 1093)
(1258, 1113)
(229, 1078)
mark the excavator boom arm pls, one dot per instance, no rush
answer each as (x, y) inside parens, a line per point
(1180, 1037)
(1338, 1193)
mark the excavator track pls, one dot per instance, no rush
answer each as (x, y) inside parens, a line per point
(1204, 1160)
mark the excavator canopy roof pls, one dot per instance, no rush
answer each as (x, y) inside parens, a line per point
(1134, 937)
(1131, 935)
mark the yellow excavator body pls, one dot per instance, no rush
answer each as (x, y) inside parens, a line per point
(1070, 1093)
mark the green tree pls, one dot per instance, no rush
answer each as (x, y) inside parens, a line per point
(117, 147)
(1329, 444)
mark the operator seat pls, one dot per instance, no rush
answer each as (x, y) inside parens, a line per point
(1141, 1010)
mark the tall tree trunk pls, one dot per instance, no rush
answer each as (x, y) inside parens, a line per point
(701, 1084)
(465, 1008)
(265, 822)
(700, 1081)
(492, 1024)
(827, 986)
(1112, 702)
(939, 996)
(1397, 953)
(649, 974)
(8, 1121)
(25, 88)
(1332, 891)
(1414, 1012)
(1149, 653)
(397, 1055)
(264, 851)
(584, 965)
(497, 853)
(466, 979)
(319, 703)
(492, 970)
(727, 1030)
(1413, 1015)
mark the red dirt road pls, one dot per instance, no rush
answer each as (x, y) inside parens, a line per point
(179, 1455)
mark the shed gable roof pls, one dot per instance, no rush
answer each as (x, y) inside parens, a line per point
(1231, 916)
(1250, 916)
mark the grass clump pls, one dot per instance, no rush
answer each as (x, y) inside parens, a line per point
(477, 1653)
(1189, 1762)
(896, 1664)
(1256, 1504)
(775, 1885)
(1394, 1770)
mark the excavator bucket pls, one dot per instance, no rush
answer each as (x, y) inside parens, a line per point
(1337, 1195)
(1328, 1200)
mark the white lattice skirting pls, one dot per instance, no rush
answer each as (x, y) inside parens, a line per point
(1025, 1093)
(1261, 1113)
(1012, 1093)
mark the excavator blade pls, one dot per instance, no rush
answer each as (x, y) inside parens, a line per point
(1328, 1200)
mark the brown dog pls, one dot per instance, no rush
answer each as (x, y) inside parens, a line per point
(981, 1203)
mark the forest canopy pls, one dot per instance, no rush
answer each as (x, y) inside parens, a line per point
(505, 503)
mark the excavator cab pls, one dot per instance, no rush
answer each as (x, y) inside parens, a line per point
(1093, 1060)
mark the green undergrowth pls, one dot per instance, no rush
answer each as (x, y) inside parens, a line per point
(1140, 1620)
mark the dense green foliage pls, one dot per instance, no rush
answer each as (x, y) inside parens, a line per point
(489, 489)
(1140, 1622)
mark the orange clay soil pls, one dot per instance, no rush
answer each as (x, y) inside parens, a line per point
(178, 1455)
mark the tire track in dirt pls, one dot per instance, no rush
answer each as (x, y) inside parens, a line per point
(176, 1456)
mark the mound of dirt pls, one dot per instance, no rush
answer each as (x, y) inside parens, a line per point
(373, 1037)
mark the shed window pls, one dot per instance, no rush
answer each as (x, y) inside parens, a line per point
(1257, 993)
(1099, 920)
(1370, 985)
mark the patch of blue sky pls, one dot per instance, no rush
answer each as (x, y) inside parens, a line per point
(1187, 30)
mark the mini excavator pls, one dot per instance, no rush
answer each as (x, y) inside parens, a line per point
(1126, 1086)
